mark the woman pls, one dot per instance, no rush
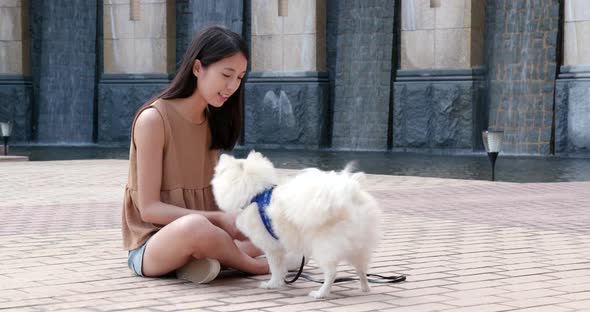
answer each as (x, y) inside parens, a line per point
(170, 219)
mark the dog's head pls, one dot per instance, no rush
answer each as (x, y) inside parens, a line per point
(236, 181)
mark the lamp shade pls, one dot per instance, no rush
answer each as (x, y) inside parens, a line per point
(6, 128)
(492, 140)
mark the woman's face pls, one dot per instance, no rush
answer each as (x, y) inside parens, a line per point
(220, 80)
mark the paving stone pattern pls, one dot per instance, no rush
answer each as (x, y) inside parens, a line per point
(464, 245)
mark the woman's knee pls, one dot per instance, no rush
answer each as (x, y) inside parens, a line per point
(198, 232)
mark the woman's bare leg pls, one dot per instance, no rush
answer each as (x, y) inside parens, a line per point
(195, 236)
(249, 248)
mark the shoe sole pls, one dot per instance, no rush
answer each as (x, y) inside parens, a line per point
(199, 271)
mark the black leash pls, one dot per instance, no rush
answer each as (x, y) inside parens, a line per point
(380, 278)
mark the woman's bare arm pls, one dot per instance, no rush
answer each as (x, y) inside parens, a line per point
(149, 141)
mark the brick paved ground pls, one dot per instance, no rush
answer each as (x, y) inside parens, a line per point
(465, 246)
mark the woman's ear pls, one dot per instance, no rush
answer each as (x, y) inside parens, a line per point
(197, 68)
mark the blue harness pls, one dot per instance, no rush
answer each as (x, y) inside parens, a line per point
(263, 200)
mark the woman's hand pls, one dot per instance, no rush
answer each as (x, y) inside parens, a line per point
(227, 222)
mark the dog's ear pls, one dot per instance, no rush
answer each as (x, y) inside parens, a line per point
(224, 162)
(254, 155)
(225, 157)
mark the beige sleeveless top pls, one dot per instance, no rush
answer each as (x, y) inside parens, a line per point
(187, 170)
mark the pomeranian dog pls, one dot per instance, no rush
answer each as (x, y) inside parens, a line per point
(325, 215)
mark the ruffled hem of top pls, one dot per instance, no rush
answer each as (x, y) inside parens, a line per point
(136, 231)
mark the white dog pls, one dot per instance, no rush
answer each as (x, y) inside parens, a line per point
(325, 215)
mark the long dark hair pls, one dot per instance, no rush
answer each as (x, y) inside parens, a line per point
(209, 46)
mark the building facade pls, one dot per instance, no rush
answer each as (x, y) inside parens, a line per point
(342, 74)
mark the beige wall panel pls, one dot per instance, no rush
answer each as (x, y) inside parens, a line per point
(11, 60)
(119, 56)
(417, 15)
(299, 52)
(116, 22)
(146, 45)
(152, 22)
(10, 3)
(10, 23)
(451, 48)
(451, 14)
(577, 10)
(295, 42)
(150, 56)
(577, 43)
(267, 53)
(301, 18)
(265, 18)
(417, 49)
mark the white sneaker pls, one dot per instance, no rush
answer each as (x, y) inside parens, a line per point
(199, 271)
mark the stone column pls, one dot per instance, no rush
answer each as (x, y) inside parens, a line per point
(139, 54)
(15, 68)
(362, 74)
(521, 60)
(572, 109)
(437, 100)
(287, 89)
(64, 70)
(193, 15)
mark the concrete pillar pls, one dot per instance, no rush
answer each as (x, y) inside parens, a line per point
(362, 74)
(438, 102)
(15, 68)
(572, 108)
(521, 56)
(139, 55)
(287, 88)
(64, 70)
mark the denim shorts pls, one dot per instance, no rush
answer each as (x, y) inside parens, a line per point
(135, 258)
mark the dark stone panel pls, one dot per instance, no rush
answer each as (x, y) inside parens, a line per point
(16, 105)
(438, 114)
(572, 110)
(119, 97)
(521, 44)
(193, 15)
(360, 66)
(63, 59)
(286, 111)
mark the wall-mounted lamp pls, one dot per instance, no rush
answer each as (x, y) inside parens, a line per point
(492, 140)
(6, 128)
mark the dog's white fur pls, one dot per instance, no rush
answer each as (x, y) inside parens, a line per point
(325, 215)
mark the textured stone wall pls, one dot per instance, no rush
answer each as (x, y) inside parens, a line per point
(572, 110)
(521, 59)
(16, 105)
(286, 111)
(194, 15)
(438, 109)
(362, 75)
(64, 69)
(119, 97)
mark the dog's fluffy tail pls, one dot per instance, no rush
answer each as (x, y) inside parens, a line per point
(328, 197)
(350, 169)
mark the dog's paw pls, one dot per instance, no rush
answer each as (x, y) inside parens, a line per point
(270, 285)
(365, 288)
(317, 294)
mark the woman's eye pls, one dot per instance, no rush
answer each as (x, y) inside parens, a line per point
(226, 76)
